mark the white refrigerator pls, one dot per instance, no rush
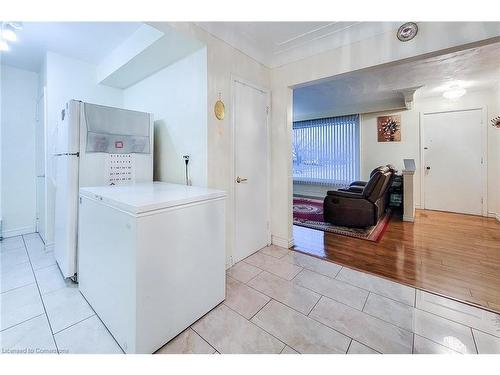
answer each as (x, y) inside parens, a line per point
(96, 146)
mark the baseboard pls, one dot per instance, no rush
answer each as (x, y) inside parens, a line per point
(410, 219)
(494, 215)
(282, 242)
(49, 247)
(18, 231)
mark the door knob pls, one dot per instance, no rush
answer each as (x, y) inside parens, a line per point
(428, 168)
(240, 180)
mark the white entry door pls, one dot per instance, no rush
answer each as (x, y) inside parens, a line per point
(251, 170)
(453, 170)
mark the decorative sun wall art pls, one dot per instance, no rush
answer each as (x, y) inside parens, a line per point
(496, 122)
(389, 128)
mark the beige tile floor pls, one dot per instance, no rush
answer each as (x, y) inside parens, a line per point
(277, 301)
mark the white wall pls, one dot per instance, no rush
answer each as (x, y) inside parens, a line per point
(1, 148)
(495, 155)
(19, 93)
(222, 62)
(67, 79)
(177, 96)
(374, 153)
(377, 50)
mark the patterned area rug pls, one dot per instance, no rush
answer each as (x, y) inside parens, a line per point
(308, 212)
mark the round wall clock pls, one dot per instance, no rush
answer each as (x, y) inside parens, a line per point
(407, 31)
(219, 109)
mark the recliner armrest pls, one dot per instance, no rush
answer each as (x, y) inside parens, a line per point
(354, 189)
(358, 183)
(344, 194)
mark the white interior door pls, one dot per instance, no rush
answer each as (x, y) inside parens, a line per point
(40, 163)
(251, 170)
(453, 170)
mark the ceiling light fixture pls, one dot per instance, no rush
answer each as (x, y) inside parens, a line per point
(454, 92)
(9, 33)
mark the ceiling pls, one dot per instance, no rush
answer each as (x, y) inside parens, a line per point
(368, 89)
(278, 43)
(86, 41)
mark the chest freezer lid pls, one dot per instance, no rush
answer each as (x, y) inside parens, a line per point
(149, 196)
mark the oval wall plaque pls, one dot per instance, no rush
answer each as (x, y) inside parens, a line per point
(219, 109)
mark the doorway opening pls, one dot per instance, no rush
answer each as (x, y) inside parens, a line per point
(448, 138)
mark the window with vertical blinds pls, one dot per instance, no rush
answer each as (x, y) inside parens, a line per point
(326, 151)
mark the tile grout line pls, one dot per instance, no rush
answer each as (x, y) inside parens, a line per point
(273, 259)
(454, 321)
(42, 268)
(365, 289)
(17, 287)
(363, 312)
(256, 325)
(196, 333)
(474, 340)
(364, 304)
(344, 334)
(299, 312)
(338, 272)
(40, 295)
(253, 277)
(270, 299)
(312, 308)
(374, 292)
(310, 269)
(24, 321)
(95, 314)
(74, 324)
(319, 293)
(200, 336)
(349, 346)
(301, 269)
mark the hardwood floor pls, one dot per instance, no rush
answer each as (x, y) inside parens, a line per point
(450, 254)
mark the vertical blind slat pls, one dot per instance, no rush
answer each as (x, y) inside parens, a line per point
(326, 151)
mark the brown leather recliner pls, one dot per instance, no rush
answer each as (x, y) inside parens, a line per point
(359, 209)
(358, 186)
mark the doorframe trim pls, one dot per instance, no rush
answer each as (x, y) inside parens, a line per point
(484, 153)
(232, 156)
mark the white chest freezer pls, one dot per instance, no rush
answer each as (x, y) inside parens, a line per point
(152, 258)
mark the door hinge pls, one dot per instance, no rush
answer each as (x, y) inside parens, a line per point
(267, 109)
(482, 161)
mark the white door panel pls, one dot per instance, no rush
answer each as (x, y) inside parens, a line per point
(40, 161)
(452, 161)
(251, 165)
(66, 216)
